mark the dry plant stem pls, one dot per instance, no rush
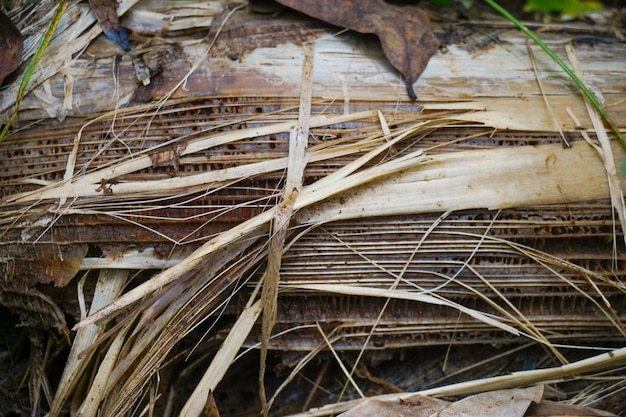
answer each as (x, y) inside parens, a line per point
(97, 391)
(133, 259)
(406, 295)
(586, 92)
(335, 183)
(518, 379)
(224, 357)
(298, 141)
(345, 371)
(110, 284)
(143, 356)
(557, 125)
(604, 150)
(83, 186)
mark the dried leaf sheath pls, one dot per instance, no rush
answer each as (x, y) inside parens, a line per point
(167, 190)
(297, 160)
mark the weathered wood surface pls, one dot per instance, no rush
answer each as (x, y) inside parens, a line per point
(108, 169)
(261, 56)
(245, 71)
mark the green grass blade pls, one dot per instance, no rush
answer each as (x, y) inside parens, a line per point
(43, 44)
(550, 52)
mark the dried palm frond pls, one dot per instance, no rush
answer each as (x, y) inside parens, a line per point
(226, 182)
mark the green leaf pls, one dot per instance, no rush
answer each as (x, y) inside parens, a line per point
(466, 3)
(568, 9)
(30, 69)
(594, 101)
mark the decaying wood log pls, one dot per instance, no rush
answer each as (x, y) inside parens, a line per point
(459, 219)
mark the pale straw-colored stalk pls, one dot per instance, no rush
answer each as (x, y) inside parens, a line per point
(517, 379)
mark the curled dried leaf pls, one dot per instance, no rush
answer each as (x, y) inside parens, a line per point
(404, 31)
(106, 14)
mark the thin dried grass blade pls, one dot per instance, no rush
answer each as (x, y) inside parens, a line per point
(406, 295)
(97, 392)
(603, 361)
(309, 195)
(83, 186)
(224, 357)
(345, 371)
(615, 187)
(557, 125)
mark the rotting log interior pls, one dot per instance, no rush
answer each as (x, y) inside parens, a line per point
(366, 251)
(43, 245)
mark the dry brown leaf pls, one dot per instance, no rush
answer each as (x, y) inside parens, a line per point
(416, 406)
(404, 31)
(500, 403)
(11, 45)
(553, 409)
(106, 13)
